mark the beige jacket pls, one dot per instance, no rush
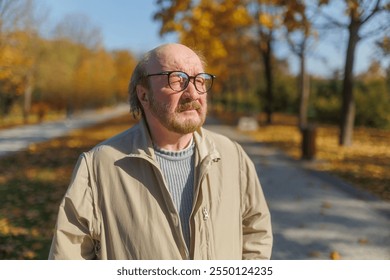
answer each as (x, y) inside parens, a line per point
(118, 206)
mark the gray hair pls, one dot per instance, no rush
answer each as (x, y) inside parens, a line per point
(139, 77)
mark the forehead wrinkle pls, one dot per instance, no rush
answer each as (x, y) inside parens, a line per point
(189, 63)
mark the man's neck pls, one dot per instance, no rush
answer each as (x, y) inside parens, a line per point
(173, 143)
(169, 140)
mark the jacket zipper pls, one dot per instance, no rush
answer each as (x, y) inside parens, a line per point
(202, 173)
(187, 254)
(205, 214)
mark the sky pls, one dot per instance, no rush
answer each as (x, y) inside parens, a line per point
(125, 24)
(129, 24)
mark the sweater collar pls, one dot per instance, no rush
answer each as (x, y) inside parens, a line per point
(142, 144)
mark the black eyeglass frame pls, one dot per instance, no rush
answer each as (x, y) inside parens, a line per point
(168, 73)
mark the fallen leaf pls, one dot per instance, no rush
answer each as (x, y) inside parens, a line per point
(363, 241)
(314, 254)
(28, 254)
(334, 255)
(326, 205)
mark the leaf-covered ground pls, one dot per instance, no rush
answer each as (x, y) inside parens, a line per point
(32, 184)
(365, 164)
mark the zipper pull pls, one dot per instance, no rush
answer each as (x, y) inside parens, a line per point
(205, 214)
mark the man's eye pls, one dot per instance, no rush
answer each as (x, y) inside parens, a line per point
(200, 81)
(177, 79)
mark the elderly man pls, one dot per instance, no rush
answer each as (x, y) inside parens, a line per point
(166, 188)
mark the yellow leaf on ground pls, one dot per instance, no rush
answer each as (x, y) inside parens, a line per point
(363, 241)
(334, 255)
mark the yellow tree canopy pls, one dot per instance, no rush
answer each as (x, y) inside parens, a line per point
(15, 63)
(55, 71)
(124, 63)
(213, 28)
(93, 79)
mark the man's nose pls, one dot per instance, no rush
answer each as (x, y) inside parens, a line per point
(191, 92)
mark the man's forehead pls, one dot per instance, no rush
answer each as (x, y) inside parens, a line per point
(175, 59)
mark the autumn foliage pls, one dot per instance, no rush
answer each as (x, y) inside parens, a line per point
(240, 40)
(68, 71)
(66, 76)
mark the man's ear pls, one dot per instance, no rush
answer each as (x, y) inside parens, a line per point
(142, 94)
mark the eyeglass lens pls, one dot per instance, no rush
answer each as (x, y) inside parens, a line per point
(179, 81)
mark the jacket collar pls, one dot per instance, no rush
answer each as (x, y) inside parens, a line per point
(142, 145)
(140, 140)
(206, 147)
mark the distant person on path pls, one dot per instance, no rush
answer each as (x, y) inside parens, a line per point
(166, 188)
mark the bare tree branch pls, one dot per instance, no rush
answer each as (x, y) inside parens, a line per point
(79, 29)
(380, 30)
(374, 11)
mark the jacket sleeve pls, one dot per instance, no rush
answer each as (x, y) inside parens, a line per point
(74, 228)
(256, 218)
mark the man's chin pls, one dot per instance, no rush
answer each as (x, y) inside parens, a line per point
(187, 126)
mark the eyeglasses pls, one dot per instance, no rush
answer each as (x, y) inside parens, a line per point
(178, 80)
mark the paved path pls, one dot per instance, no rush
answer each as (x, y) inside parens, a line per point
(313, 213)
(19, 138)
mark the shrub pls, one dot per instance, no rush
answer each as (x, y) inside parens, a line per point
(372, 104)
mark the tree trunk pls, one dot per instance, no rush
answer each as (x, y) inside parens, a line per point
(6, 103)
(267, 59)
(304, 92)
(348, 104)
(27, 98)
